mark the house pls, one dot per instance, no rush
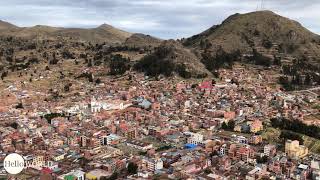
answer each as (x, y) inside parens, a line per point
(58, 156)
(294, 150)
(269, 150)
(255, 126)
(195, 138)
(96, 174)
(256, 139)
(73, 175)
(111, 139)
(139, 145)
(152, 164)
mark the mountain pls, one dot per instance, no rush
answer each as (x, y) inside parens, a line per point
(5, 25)
(102, 34)
(141, 40)
(264, 31)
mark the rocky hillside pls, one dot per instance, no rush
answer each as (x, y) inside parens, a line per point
(265, 31)
(172, 58)
(142, 41)
(261, 38)
(6, 25)
(102, 34)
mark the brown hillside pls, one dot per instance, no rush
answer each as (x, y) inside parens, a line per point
(104, 33)
(171, 57)
(5, 25)
(141, 40)
(262, 30)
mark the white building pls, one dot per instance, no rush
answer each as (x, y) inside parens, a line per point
(97, 106)
(268, 149)
(139, 145)
(108, 140)
(223, 150)
(195, 138)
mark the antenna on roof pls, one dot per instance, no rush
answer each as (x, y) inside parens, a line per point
(262, 4)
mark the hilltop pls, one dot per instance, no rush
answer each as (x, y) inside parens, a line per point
(263, 30)
(142, 40)
(262, 38)
(6, 25)
(101, 34)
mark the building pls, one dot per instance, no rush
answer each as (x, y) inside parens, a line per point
(111, 139)
(139, 145)
(73, 175)
(195, 138)
(152, 164)
(294, 150)
(256, 126)
(269, 150)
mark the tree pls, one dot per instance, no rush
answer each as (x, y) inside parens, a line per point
(132, 168)
(290, 135)
(66, 54)
(262, 160)
(19, 106)
(98, 81)
(287, 85)
(14, 125)
(267, 44)
(207, 171)
(224, 126)
(231, 124)
(90, 78)
(3, 75)
(260, 59)
(228, 126)
(307, 80)
(89, 63)
(67, 87)
(277, 60)
(118, 65)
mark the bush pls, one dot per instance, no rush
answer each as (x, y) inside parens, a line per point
(285, 135)
(296, 126)
(260, 59)
(132, 168)
(153, 65)
(221, 59)
(267, 44)
(118, 65)
(66, 54)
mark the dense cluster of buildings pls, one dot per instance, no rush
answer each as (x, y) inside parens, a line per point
(168, 129)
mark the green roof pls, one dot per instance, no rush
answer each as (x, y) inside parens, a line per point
(69, 177)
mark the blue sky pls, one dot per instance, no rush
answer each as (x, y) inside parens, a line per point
(160, 18)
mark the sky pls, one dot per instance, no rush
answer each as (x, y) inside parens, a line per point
(161, 18)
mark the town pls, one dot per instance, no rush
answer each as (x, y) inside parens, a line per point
(135, 127)
(157, 90)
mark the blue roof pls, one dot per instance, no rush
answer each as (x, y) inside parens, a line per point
(190, 146)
